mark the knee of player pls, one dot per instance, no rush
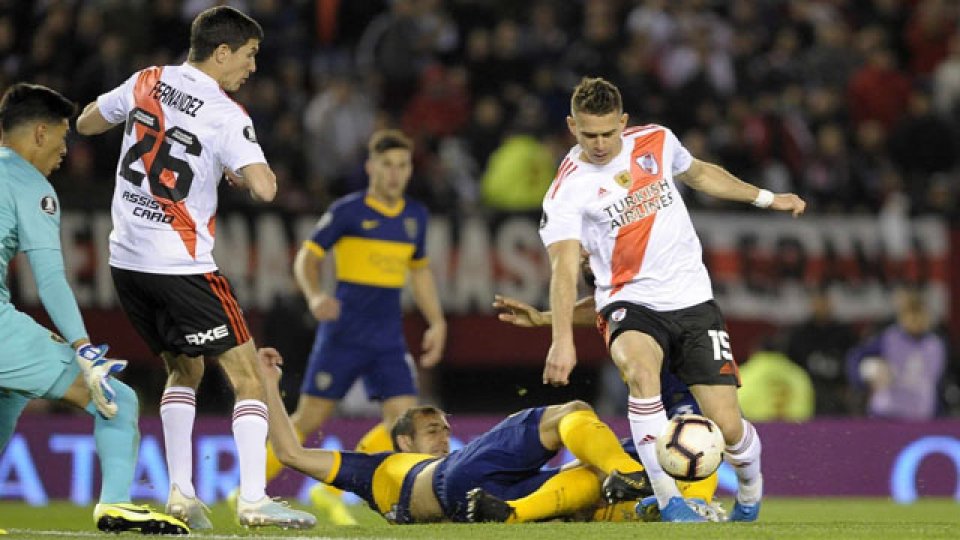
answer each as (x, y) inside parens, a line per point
(128, 404)
(576, 405)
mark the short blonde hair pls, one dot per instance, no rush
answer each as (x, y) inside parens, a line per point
(388, 139)
(596, 95)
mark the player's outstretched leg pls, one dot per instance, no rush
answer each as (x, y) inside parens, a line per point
(117, 441)
(594, 443)
(745, 458)
(11, 405)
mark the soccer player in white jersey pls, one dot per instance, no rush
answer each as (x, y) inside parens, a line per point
(615, 197)
(181, 132)
(37, 363)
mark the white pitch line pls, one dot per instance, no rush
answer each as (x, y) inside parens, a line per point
(253, 534)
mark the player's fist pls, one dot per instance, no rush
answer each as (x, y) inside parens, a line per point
(788, 202)
(269, 361)
(97, 369)
(325, 307)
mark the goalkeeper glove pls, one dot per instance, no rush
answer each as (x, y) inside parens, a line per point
(97, 369)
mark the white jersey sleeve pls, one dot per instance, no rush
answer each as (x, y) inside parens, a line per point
(116, 104)
(562, 217)
(239, 146)
(681, 156)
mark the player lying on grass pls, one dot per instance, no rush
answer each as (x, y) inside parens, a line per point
(677, 398)
(425, 482)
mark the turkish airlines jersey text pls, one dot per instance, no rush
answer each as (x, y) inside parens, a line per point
(631, 219)
(180, 131)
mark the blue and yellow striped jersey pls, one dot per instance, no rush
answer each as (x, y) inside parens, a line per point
(374, 247)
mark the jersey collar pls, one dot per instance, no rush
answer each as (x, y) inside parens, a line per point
(197, 72)
(383, 208)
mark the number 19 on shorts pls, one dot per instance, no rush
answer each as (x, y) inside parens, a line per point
(721, 345)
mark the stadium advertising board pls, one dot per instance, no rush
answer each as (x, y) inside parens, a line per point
(53, 457)
(763, 265)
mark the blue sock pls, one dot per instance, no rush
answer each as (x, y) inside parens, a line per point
(118, 442)
(11, 405)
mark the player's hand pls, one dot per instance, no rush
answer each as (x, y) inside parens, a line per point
(518, 313)
(236, 180)
(97, 369)
(561, 359)
(325, 307)
(270, 360)
(788, 202)
(433, 341)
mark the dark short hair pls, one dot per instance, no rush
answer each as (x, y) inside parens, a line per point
(221, 25)
(388, 139)
(406, 423)
(25, 102)
(596, 96)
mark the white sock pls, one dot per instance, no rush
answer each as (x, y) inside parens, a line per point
(745, 458)
(178, 408)
(250, 433)
(647, 421)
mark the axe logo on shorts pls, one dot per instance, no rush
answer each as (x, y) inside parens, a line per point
(204, 336)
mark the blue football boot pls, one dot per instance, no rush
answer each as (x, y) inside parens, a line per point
(745, 512)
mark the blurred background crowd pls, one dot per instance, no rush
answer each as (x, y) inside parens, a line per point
(853, 104)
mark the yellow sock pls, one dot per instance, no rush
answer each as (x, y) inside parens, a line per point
(376, 440)
(621, 511)
(701, 489)
(592, 442)
(568, 491)
(274, 467)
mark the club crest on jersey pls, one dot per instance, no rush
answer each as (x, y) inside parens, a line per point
(648, 162)
(249, 134)
(49, 205)
(623, 179)
(410, 225)
(618, 315)
(601, 192)
(323, 380)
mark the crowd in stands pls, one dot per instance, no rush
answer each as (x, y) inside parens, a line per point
(853, 104)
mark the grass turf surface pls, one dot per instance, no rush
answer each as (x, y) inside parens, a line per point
(873, 519)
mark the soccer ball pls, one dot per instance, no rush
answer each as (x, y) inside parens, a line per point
(690, 447)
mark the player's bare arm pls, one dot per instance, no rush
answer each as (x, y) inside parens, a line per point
(428, 302)
(306, 271)
(313, 462)
(564, 269)
(716, 181)
(91, 122)
(519, 313)
(260, 180)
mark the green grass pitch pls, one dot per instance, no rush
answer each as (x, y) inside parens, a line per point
(827, 518)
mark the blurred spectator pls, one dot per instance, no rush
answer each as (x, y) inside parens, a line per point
(900, 369)
(774, 388)
(921, 144)
(927, 33)
(878, 91)
(521, 169)
(819, 345)
(338, 122)
(946, 82)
